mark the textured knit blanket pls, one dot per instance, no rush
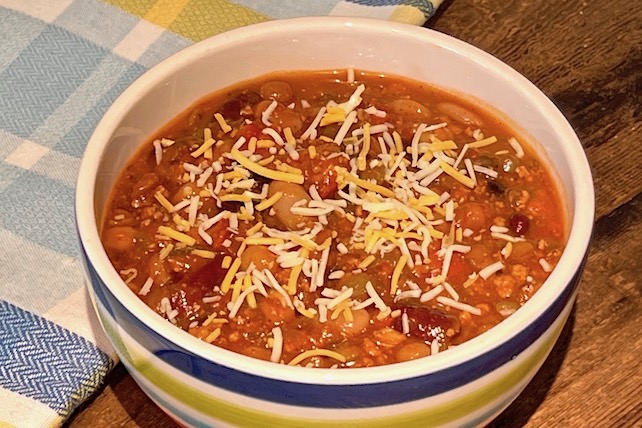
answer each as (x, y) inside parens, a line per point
(62, 63)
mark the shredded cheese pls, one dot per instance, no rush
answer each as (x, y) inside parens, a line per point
(203, 148)
(146, 288)
(317, 353)
(263, 171)
(231, 272)
(366, 262)
(176, 235)
(482, 143)
(206, 254)
(222, 123)
(519, 151)
(459, 305)
(277, 346)
(466, 181)
(164, 202)
(486, 272)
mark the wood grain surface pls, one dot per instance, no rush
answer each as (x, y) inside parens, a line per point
(587, 57)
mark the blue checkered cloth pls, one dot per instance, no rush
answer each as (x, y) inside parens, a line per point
(62, 63)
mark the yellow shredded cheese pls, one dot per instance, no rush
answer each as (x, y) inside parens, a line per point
(312, 150)
(164, 202)
(251, 231)
(466, 181)
(266, 161)
(234, 197)
(366, 262)
(213, 335)
(267, 203)
(212, 319)
(340, 308)
(361, 159)
(203, 148)
(236, 173)
(287, 168)
(244, 216)
(295, 272)
(325, 244)
(306, 312)
(483, 143)
(317, 353)
(384, 191)
(333, 115)
(231, 272)
(304, 242)
(165, 251)
(206, 254)
(265, 144)
(227, 262)
(398, 143)
(289, 138)
(391, 215)
(222, 123)
(236, 290)
(252, 144)
(265, 172)
(439, 145)
(459, 234)
(264, 241)
(180, 221)
(176, 235)
(396, 274)
(250, 298)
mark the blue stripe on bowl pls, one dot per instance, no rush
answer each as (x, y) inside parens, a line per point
(331, 396)
(94, 280)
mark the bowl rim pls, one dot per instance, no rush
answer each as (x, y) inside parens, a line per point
(581, 222)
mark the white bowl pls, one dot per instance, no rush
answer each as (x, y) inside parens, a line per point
(202, 385)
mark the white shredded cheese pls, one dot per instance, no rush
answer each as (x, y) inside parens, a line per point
(491, 269)
(405, 325)
(146, 288)
(446, 301)
(519, 151)
(431, 294)
(265, 116)
(277, 346)
(345, 127)
(158, 151)
(546, 267)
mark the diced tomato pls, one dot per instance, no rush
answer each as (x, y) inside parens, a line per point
(251, 130)
(324, 177)
(219, 234)
(459, 269)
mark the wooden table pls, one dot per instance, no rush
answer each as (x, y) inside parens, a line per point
(587, 57)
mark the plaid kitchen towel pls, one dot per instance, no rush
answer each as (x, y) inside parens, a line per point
(62, 63)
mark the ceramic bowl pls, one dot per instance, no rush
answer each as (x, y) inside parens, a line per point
(199, 384)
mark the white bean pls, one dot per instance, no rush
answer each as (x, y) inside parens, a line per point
(292, 193)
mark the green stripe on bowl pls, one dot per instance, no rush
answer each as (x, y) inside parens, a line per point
(243, 416)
